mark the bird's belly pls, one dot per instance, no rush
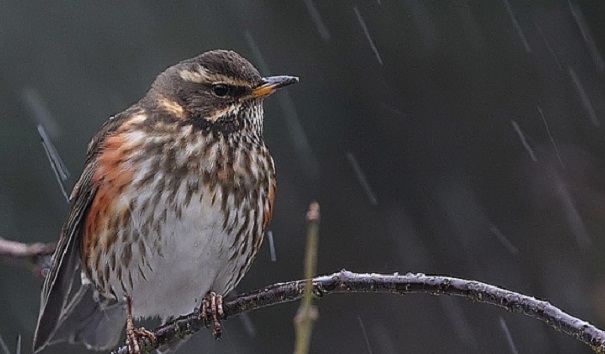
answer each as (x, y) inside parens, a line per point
(185, 268)
(182, 247)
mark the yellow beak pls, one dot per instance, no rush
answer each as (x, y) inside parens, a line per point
(270, 84)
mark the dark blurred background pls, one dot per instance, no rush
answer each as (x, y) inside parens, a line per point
(462, 138)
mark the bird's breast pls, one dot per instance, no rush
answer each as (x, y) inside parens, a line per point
(190, 220)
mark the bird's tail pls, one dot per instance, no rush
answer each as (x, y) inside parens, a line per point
(85, 320)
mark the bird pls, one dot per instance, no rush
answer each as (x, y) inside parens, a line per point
(171, 207)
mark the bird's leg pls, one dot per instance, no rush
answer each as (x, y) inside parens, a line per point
(131, 337)
(133, 333)
(212, 311)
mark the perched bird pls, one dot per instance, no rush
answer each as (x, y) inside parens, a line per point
(171, 207)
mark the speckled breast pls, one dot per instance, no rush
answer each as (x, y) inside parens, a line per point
(185, 215)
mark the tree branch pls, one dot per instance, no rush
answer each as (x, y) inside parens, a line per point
(347, 282)
(37, 254)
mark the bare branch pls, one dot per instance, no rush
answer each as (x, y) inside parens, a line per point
(347, 282)
(38, 254)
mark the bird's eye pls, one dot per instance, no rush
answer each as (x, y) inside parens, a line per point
(221, 89)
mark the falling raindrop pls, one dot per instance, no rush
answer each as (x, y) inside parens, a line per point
(248, 324)
(361, 177)
(3, 346)
(516, 25)
(391, 109)
(367, 33)
(587, 36)
(584, 98)
(324, 33)
(40, 111)
(365, 334)
(504, 240)
(56, 163)
(572, 215)
(271, 246)
(509, 337)
(524, 141)
(552, 52)
(552, 140)
(458, 321)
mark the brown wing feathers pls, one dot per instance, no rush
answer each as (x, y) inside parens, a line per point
(59, 281)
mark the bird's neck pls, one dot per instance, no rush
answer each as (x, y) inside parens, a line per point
(246, 119)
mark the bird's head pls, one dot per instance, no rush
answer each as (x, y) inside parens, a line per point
(218, 90)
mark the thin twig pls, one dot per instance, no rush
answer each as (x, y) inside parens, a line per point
(38, 254)
(307, 313)
(347, 282)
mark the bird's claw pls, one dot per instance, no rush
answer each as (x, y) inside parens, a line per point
(212, 312)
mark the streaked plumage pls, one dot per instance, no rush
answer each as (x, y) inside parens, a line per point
(176, 194)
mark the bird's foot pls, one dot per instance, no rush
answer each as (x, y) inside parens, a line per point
(212, 312)
(133, 336)
(132, 340)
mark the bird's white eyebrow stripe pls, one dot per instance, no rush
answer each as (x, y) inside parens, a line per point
(197, 74)
(201, 75)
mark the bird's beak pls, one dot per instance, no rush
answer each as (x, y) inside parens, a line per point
(269, 85)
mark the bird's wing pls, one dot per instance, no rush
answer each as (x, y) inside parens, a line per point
(65, 260)
(59, 281)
